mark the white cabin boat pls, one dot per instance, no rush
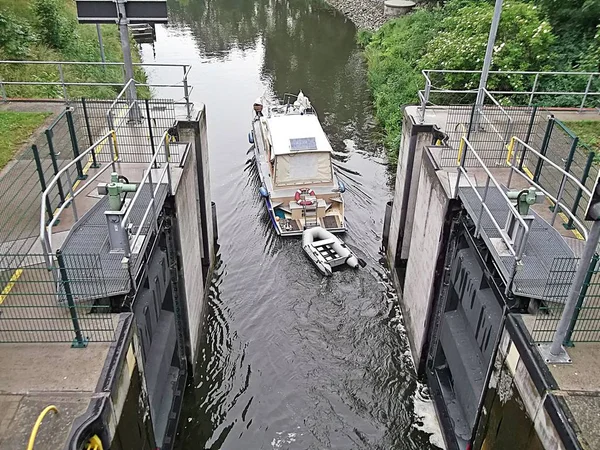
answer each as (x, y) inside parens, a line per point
(293, 156)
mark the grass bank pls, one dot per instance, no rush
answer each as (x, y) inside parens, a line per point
(15, 129)
(48, 30)
(588, 132)
(532, 36)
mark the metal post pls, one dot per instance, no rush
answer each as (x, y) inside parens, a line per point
(535, 83)
(425, 97)
(150, 133)
(529, 129)
(557, 352)
(101, 44)
(80, 174)
(55, 165)
(113, 150)
(461, 165)
(123, 22)
(483, 199)
(587, 90)
(79, 341)
(3, 90)
(586, 284)
(556, 208)
(62, 81)
(586, 173)
(514, 162)
(168, 158)
(186, 94)
(72, 194)
(95, 164)
(154, 215)
(40, 171)
(568, 163)
(544, 149)
(487, 62)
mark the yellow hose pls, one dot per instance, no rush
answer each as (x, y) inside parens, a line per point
(94, 443)
(38, 422)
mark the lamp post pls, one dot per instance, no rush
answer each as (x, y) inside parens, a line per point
(487, 62)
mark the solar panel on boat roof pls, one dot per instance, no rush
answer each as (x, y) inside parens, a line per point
(309, 143)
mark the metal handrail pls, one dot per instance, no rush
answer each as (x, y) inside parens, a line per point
(518, 251)
(511, 159)
(429, 87)
(62, 82)
(147, 178)
(45, 229)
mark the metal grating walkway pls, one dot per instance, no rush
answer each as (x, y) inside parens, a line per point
(104, 276)
(543, 245)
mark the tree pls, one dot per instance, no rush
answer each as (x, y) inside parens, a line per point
(523, 43)
(54, 28)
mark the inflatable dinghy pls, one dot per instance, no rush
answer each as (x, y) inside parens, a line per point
(326, 250)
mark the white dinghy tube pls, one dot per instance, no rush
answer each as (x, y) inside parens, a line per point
(326, 250)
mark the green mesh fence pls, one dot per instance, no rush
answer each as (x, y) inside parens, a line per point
(41, 305)
(585, 323)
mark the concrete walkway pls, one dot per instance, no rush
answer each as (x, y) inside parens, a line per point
(52, 374)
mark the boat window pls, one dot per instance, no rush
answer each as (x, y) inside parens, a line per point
(303, 168)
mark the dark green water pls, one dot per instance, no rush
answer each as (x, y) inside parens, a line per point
(291, 360)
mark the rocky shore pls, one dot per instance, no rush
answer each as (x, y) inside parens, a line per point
(365, 14)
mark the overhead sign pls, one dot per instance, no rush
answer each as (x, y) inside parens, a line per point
(137, 11)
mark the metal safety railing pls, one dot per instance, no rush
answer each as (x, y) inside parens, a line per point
(73, 188)
(515, 248)
(439, 84)
(59, 76)
(138, 123)
(557, 142)
(148, 184)
(584, 326)
(39, 304)
(516, 158)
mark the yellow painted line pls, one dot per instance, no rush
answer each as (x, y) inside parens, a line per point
(10, 285)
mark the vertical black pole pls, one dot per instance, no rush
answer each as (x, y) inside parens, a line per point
(531, 123)
(86, 116)
(544, 148)
(71, 125)
(588, 278)
(471, 122)
(568, 163)
(586, 173)
(40, 171)
(61, 193)
(571, 154)
(150, 130)
(79, 341)
(528, 136)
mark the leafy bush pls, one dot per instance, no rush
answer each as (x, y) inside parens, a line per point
(393, 53)
(15, 36)
(452, 37)
(53, 25)
(523, 43)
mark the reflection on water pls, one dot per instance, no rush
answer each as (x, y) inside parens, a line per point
(291, 360)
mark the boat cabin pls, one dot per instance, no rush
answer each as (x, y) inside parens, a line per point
(299, 152)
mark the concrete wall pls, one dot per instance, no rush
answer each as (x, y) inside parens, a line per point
(189, 225)
(431, 204)
(414, 140)
(195, 225)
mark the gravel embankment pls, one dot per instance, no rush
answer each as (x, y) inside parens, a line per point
(365, 14)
